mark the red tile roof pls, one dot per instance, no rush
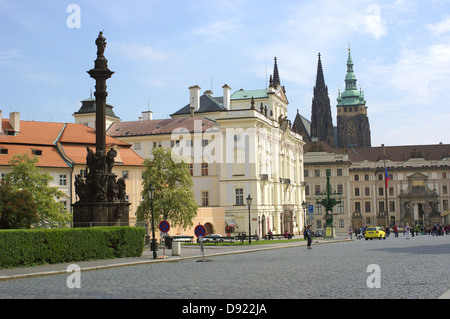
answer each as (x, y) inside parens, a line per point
(60, 143)
(154, 127)
(79, 133)
(37, 133)
(434, 152)
(50, 156)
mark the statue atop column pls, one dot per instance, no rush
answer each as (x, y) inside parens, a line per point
(102, 199)
(101, 63)
(101, 45)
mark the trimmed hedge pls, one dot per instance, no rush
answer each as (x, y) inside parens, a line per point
(30, 247)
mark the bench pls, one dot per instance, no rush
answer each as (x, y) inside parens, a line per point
(275, 236)
(217, 240)
(245, 237)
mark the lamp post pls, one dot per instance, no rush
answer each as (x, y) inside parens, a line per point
(304, 213)
(249, 202)
(151, 196)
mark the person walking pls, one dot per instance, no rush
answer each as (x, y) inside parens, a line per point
(350, 231)
(308, 235)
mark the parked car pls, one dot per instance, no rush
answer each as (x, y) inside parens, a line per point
(318, 233)
(375, 232)
(211, 238)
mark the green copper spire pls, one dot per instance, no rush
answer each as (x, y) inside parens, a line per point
(351, 95)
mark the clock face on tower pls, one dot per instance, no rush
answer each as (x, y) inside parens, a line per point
(351, 127)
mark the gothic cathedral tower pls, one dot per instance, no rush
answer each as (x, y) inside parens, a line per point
(352, 121)
(321, 120)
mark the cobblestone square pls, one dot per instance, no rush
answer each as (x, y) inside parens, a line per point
(408, 269)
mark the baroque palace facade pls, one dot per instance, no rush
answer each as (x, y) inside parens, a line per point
(238, 145)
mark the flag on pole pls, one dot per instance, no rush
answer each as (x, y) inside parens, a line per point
(386, 176)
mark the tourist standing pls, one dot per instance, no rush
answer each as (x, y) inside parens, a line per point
(407, 231)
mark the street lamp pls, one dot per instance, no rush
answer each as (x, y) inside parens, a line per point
(151, 196)
(304, 213)
(249, 202)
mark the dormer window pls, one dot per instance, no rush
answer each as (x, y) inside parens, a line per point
(3, 151)
(37, 152)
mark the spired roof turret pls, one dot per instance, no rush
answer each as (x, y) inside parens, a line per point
(351, 95)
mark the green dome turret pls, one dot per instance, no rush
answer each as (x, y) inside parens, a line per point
(351, 96)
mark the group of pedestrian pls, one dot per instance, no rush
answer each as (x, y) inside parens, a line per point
(436, 230)
(439, 230)
(359, 232)
(408, 231)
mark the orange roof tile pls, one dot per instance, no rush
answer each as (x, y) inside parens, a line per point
(50, 156)
(79, 133)
(432, 152)
(70, 138)
(37, 133)
(164, 126)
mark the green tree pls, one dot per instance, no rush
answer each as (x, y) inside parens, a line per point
(17, 208)
(174, 198)
(28, 177)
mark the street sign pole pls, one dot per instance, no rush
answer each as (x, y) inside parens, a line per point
(200, 232)
(164, 227)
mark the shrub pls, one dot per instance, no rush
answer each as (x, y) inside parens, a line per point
(28, 247)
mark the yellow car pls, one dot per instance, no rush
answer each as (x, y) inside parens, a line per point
(375, 232)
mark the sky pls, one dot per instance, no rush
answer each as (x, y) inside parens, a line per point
(158, 49)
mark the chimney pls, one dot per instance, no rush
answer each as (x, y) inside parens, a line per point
(147, 115)
(226, 96)
(194, 97)
(208, 92)
(14, 120)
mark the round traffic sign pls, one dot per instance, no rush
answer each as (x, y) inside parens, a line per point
(164, 226)
(200, 230)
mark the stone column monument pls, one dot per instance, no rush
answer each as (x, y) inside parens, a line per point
(101, 197)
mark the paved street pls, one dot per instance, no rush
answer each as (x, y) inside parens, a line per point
(415, 268)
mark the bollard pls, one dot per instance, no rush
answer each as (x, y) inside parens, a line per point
(176, 248)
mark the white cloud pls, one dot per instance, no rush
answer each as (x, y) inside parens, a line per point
(423, 73)
(375, 25)
(440, 28)
(414, 88)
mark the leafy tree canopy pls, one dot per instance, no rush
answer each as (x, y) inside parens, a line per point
(18, 210)
(28, 177)
(174, 199)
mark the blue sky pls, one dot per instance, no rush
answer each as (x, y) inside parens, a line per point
(400, 50)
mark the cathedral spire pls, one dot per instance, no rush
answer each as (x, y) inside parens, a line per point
(276, 75)
(320, 80)
(321, 120)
